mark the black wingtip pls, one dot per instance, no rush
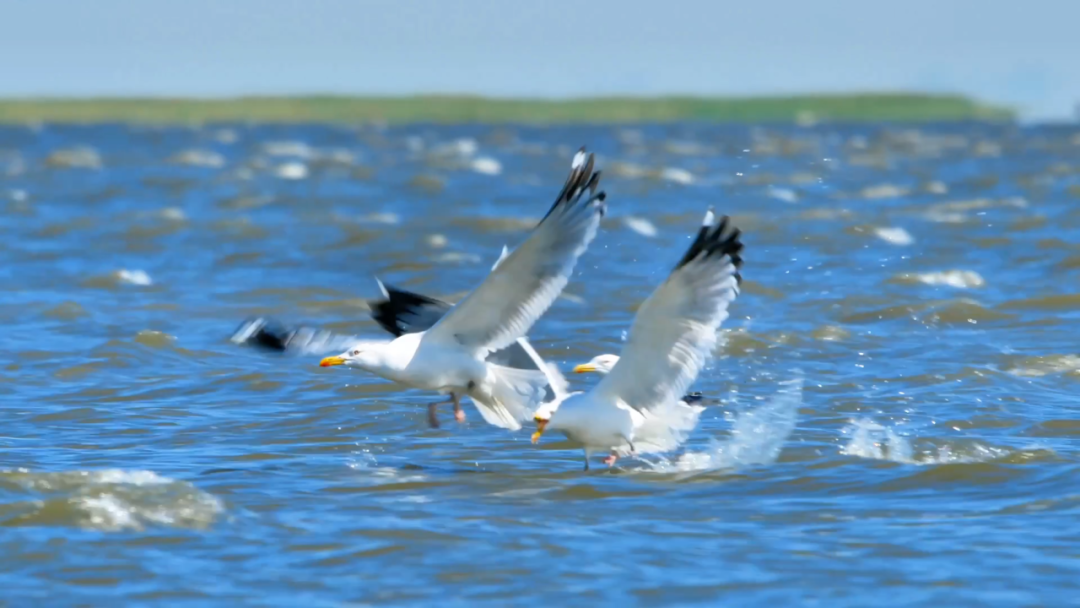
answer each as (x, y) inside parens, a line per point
(388, 312)
(714, 239)
(582, 179)
(263, 333)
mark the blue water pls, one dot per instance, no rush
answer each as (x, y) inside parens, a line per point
(892, 416)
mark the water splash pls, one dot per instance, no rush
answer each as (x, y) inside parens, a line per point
(874, 441)
(869, 439)
(109, 500)
(757, 436)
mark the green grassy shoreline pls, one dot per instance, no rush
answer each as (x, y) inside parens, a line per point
(906, 107)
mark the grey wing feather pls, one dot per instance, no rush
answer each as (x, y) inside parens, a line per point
(524, 284)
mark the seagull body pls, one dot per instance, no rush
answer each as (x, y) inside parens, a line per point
(399, 312)
(637, 407)
(451, 356)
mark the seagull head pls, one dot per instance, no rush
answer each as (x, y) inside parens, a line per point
(362, 356)
(542, 418)
(600, 364)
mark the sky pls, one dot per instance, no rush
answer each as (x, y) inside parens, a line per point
(1025, 54)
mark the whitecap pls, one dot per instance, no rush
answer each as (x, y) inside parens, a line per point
(486, 165)
(894, 236)
(134, 277)
(678, 176)
(960, 279)
(109, 500)
(784, 194)
(292, 171)
(173, 214)
(870, 440)
(641, 226)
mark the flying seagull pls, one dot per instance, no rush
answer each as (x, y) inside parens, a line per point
(451, 356)
(399, 312)
(637, 407)
(602, 364)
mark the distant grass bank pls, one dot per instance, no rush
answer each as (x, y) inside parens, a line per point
(463, 109)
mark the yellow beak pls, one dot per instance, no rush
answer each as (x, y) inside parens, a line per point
(540, 426)
(583, 368)
(327, 362)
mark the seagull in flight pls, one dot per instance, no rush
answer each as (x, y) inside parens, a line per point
(451, 357)
(637, 407)
(399, 312)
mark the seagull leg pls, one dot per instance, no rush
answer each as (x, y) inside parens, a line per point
(459, 414)
(587, 455)
(432, 418)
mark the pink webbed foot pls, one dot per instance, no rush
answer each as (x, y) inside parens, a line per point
(459, 415)
(610, 460)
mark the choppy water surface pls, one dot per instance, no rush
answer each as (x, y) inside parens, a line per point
(893, 414)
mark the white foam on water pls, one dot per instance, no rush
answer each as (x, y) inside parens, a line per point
(784, 194)
(679, 176)
(641, 226)
(757, 435)
(894, 236)
(173, 214)
(874, 441)
(1036, 367)
(134, 277)
(960, 279)
(292, 171)
(465, 146)
(485, 165)
(114, 499)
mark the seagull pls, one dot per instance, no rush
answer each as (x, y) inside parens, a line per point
(636, 408)
(399, 312)
(602, 364)
(451, 356)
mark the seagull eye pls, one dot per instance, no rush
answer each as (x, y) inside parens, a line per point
(356, 352)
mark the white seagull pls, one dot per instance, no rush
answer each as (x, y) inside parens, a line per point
(451, 356)
(603, 364)
(637, 407)
(399, 312)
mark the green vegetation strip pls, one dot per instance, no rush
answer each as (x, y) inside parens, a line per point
(462, 109)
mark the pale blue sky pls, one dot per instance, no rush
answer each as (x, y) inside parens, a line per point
(1024, 53)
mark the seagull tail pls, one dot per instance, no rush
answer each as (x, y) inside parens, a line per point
(512, 395)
